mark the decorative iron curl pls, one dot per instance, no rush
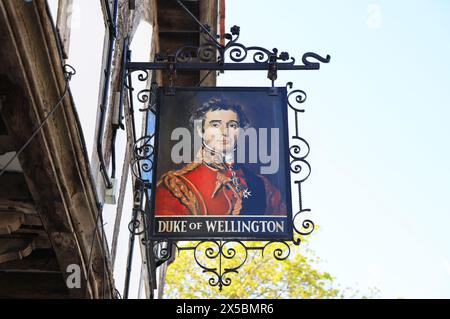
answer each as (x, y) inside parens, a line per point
(297, 96)
(211, 51)
(162, 250)
(298, 164)
(142, 76)
(221, 251)
(144, 96)
(278, 253)
(239, 53)
(298, 153)
(207, 53)
(188, 54)
(316, 57)
(301, 149)
(232, 36)
(148, 98)
(139, 166)
(260, 55)
(230, 253)
(139, 223)
(143, 148)
(211, 253)
(69, 71)
(307, 226)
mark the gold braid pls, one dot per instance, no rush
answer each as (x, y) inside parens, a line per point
(179, 189)
(223, 180)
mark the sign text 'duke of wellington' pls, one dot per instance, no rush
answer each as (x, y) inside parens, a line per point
(222, 164)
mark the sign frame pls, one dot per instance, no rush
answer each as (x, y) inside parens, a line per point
(279, 92)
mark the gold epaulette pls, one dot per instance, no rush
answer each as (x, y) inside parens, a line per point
(179, 189)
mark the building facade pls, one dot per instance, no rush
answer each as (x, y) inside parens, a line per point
(52, 195)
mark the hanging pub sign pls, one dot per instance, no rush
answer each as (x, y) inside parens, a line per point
(222, 164)
(214, 164)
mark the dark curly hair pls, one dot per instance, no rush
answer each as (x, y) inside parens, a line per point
(215, 104)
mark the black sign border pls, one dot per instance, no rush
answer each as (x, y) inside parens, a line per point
(232, 237)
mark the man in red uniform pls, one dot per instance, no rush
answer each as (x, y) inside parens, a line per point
(214, 184)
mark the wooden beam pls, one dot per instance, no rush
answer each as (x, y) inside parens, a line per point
(14, 187)
(6, 144)
(208, 15)
(122, 191)
(20, 206)
(15, 248)
(10, 222)
(39, 236)
(172, 17)
(3, 130)
(40, 260)
(37, 166)
(55, 163)
(33, 286)
(64, 23)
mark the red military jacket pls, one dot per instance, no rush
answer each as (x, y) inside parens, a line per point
(199, 189)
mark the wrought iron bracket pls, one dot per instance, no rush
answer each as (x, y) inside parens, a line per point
(225, 249)
(213, 56)
(171, 73)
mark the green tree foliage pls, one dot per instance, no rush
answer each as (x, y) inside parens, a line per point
(260, 276)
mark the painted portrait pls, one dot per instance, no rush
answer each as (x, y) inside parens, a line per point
(221, 156)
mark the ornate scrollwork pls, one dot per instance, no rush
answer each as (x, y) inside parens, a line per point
(296, 98)
(143, 75)
(281, 250)
(207, 251)
(144, 96)
(314, 56)
(69, 71)
(143, 148)
(148, 98)
(298, 163)
(141, 169)
(221, 259)
(143, 164)
(210, 51)
(138, 224)
(188, 54)
(302, 226)
(162, 250)
(239, 53)
(299, 166)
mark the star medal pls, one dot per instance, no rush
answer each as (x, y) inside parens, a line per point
(246, 193)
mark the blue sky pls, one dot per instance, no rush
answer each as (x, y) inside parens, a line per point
(376, 121)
